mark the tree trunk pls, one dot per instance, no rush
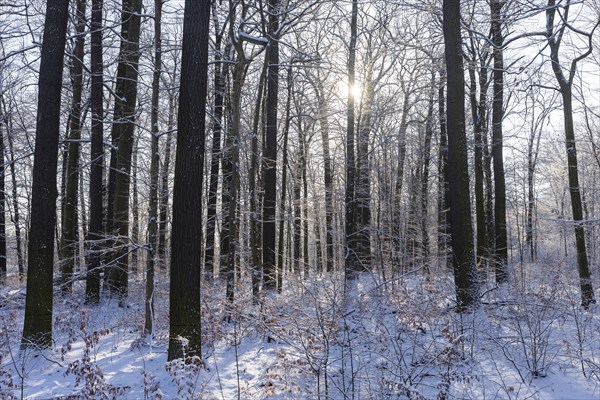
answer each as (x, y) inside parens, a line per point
(15, 196)
(283, 189)
(230, 231)
(255, 246)
(92, 285)
(478, 113)
(327, 174)
(363, 178)
(69, 216)
(352, 262)
(465, 274)
(3, 270)
(154, 167)
(135, 211)
(501, 240)
(217, 127)
(270, 154)
(37, 330)
(163, 212)
(444, 254)
(425, 174)
(119, 277)
(186, 250)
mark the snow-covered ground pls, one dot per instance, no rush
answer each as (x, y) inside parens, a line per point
(399, 339)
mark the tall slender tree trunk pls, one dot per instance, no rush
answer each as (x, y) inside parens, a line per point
(15, 217)
(478, 113)
(282, 202)
(154, 171)
(443, 189)
(3, 270)
(363, 178)
(231, 180)
(397, 201)
(255, 246)
(119, 277)
(135, 211)
(465, 274)
(327, 174)
(92, 286)
(163, 212)
(501, 239)
(425, 172)
(37, 330)
(352, 262)
(118, 111)
(270, 154)
(217, 127)
(69, 215)
(186, 250)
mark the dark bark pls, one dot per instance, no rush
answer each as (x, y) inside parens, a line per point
(444, 254)
(479, 116)
(37, 330)
(2, 206)
(270, 153)
(465, 275)
(282, 202)
(327, 174)
(154, 171)
(15, 196)
(230, 231)
(554, 35)
(352, 262)
(92, 287)
(363, 178)
(425, 172)
(119, 277)
(69, 215)
(186, 250)
(163, 211)
(254, 186)
(501, 239)
(215, 160)
(118, 112)
(135, 211)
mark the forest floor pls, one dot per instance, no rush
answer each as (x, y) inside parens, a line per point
(398, 339)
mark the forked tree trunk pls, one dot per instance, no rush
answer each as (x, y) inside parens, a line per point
(554, 38)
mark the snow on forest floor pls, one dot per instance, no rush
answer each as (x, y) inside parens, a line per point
(398, 340)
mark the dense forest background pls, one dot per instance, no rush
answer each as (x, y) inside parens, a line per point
(243, 159)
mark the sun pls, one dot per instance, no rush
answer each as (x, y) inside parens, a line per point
(344, 89)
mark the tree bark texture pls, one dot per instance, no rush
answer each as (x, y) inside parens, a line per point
(37, 330)
(465, 275)
(186, 249)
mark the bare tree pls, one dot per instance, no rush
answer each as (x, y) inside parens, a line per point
(555, 31)
(465, 275)
(186, 251)
(37, 330)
